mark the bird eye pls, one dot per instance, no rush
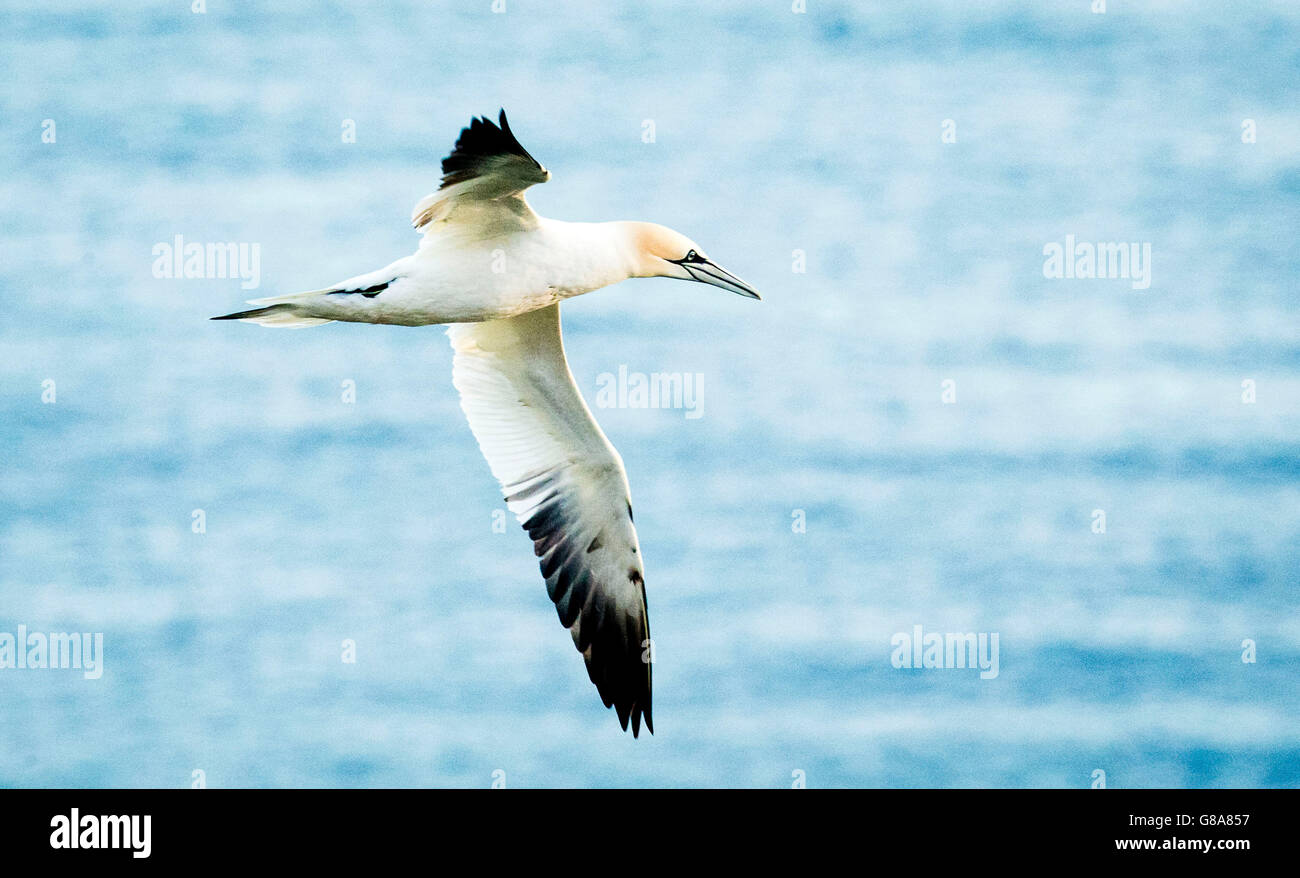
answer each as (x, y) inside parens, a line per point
(692, 256)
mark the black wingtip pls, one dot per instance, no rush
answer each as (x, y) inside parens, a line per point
(254, 312)
(482, 140)
(639, 714)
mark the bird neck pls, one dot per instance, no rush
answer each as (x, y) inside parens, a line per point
(599, 253)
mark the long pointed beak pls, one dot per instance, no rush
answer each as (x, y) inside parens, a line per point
(707, 272)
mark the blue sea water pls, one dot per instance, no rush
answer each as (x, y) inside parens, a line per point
(774, 132)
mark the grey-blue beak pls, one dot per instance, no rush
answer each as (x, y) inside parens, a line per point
(707, 272)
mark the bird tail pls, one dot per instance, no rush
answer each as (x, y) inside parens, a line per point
(283, 314)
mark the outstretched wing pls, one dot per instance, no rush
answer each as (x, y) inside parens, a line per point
(488, 169)
(566, 484)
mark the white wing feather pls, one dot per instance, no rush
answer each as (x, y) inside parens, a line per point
(566, 484)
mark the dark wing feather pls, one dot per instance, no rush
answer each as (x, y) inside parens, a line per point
(594, 576)
(484, 148)
(483, 180)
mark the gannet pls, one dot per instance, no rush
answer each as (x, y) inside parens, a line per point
(496, 272)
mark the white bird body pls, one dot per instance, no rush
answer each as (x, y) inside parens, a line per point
(456, 277)
(496, 271)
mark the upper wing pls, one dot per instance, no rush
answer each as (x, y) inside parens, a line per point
(566, 484)
(487, 172)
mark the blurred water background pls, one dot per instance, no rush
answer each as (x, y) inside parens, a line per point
(774, 132)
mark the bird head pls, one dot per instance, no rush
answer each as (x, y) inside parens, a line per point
(661, 252)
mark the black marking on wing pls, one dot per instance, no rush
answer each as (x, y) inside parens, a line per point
(611, 638)
(477, 145)
(368, 292)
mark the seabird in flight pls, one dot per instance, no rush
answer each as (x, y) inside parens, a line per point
(496, 272)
